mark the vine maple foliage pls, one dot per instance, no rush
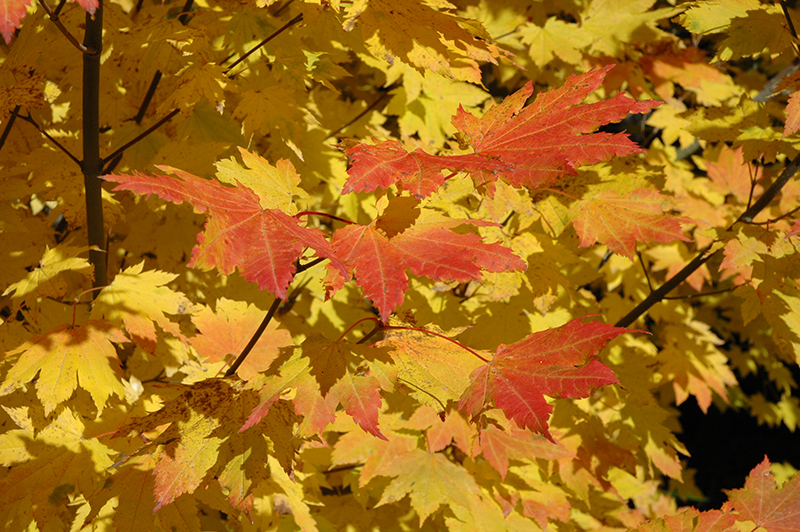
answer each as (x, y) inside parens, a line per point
(393, 265)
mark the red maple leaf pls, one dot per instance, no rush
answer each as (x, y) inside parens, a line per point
(558, 362)
(526, 146)
(761, 501)
(387, 163)
(263, 243)
(428, 248)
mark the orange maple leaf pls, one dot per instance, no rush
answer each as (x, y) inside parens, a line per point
(529, 146)
(761, 501)
(557, 362)
(263, 243)
(428, 248)
(620, 221)
(227, 330)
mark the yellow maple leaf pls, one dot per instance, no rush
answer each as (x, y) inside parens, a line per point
(276, 186)
(436, 370)
(715, 17)
(197, 81)
(138, 301)
(556, 38)
(611, 24)
(65, 357)
(66, 462)
(441, 43)
(428, 479)
(46, 279)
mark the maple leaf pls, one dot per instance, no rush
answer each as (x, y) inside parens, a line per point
(46, 279)
(557, 362)
(138, 300)
(794, 230)
(228, 329)
(761, 501)
(388, 163)
(263, 243)
(11, 14)
(441, 42)
(529, 146)
(620, 221)
(437, 370)
(341, 375)
(429, 480)
(65, 357)
(499, 443)
(691, 520)
(199, 435)
(428, 248)
(792, 114)
(547, 139)
(276, 186)
(66, 462)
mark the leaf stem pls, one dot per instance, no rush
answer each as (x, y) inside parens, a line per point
(256, 336)
(426, 331)
(83, 48)
(555, 191)
(306, 213)
(705, 254)
(371, 318)
(274, 34)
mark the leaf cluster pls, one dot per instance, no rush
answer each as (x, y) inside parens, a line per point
(371, 264)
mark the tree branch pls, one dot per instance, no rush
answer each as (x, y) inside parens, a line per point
(705, 254)
(274, 34)
(369, 108)
(256, 336)
(92, 164)
(70, 37)
(7, 130)
(140, 136)
(46, 135)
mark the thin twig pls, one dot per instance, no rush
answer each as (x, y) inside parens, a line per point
(644, 269)
(705, 254)
(274, 34)
(187, 8)
(701, 294)
(70, 37)
(308, 265)
(33, 122)
(256, 336)
(59, 7)
(369, 108)
(791, 26)
(283, 7)
(7, 130)
(141, 136)
(148, 97)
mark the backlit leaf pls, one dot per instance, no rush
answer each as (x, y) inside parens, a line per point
(66, 357)
(558, 362)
